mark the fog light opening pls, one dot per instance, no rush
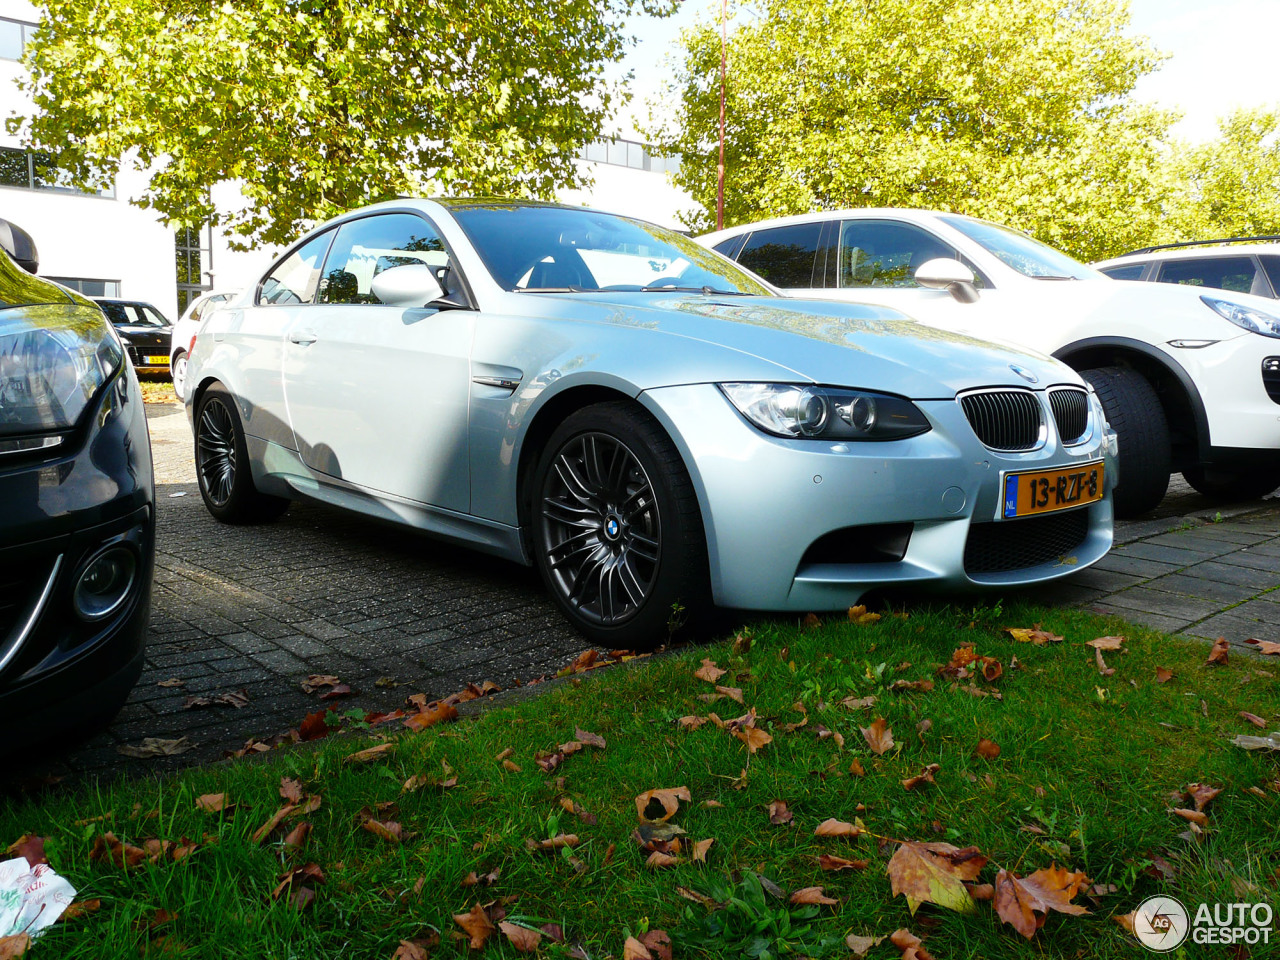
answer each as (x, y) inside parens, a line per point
(105, 583)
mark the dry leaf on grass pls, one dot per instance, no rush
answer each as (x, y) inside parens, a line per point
(858, 614)
(700, 850)
(660, 805)
(988, 749)
(839, 828)
(431, 714)
(524, 939)
(658, 859)
(779, 813)
(477, 925)
(212, 802)
(1192, 816)
(1036, 635)
(709, 671)
(1253, 718)
(1265, 647)
(812, 896)
(30, 848)
(878, 736)
(266, 829)
(935, 873)
(1025, 902)
(553, 843)
(910, 945)
(833, 864)
(923, 777)
(296, 838)
(860, 946)
(1107, 643)
(589, 739)
(14, 946)
(1200, 794)
(290, 790)
(1163, 674)
(369, 754)
(1218, 654)
(107, 847)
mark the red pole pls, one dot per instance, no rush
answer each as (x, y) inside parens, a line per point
(724, 6)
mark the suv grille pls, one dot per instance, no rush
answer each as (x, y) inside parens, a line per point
(1017, 544)
(1070, 412)
(1004, 419)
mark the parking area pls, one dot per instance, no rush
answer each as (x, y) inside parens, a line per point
(258, 609)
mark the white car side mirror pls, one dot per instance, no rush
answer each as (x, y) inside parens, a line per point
(944, 273)
(412, 285)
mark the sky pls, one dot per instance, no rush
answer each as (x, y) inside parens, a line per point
(1222, 54)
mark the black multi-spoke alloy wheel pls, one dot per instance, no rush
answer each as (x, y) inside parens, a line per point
(617, 534)
(222, 463)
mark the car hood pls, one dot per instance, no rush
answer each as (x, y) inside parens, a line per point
(856, 345)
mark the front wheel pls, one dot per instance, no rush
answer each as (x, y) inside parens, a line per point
(222, 463)
(616, 531)
(1247, 483)
(1145, 456)
(180, 376)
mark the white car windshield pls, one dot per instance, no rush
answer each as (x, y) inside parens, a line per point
(548, 249)
(1029, 257)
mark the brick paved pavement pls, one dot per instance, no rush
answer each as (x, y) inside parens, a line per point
(258, 608)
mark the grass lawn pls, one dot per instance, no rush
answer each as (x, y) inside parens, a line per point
(1084, 779)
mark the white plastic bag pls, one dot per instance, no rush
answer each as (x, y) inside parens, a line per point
(31, 898)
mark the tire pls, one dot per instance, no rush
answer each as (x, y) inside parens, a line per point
(616, 532)
(179, 372)
(1247, 483)
(1135, 414)
(222, 463)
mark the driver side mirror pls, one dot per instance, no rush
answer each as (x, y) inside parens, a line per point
(943, 273)
(412, 285)
(17, 243)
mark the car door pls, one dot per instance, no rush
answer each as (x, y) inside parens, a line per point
(377, 395)
(256, 337)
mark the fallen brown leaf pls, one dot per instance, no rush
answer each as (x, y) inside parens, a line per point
(266, 829)
(1218, 655)
(290, 790)
(235, 699)
(155, 747)
(212, 802)
(858, 614)
(779, 813)
(370, 753)
(14, 946)
(1163, 674)
(107, 847)
(317, 681)
(171, 682)
(589, 739)
(553, 843)
(658, 859)
(633, 949)
(1036, 635)
(700, 850)
(523, 939)
(878, 736)
(1253, 718)
(1265, 647)
(910, 945)
(1200, 794)
(923, 777)
(1025, 902)
(811, 621)
(861, 946)
(810, 896)
(988, 749)
(1107, 643)
(1197, 817)
(935, 873)
(430, 715)
(477, 925)
(833, 864)
(839, 828)
(709, 671)
(30, 848)
(668, 799)
(296, 838)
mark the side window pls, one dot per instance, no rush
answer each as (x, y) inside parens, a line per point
(783, 255)
(1224, 273)
(886, 254)
(295, 278)
(1272, 266)
(1127, 271)
(731, 246)
(372, 245)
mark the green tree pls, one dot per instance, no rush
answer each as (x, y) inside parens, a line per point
(1016, 110)
(1231, 184)
(317, 106)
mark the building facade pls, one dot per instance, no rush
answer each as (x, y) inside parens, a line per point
(102, 244)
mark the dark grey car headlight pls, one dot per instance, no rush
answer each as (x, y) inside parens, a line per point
(51, 367)
(1250, 318)
(825, 413)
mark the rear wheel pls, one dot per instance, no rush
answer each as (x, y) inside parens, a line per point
(222, 463)
(179, 370)
(617, 534)
(1135, 414)
(1238, 483)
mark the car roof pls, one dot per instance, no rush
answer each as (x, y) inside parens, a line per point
(127, 303)
(1194, 253)
(910, 214)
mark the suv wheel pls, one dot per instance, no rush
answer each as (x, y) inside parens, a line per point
(1135, 414)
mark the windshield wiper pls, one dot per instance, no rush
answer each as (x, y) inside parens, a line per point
(1051, 276)
(570, 289)
(709, 291)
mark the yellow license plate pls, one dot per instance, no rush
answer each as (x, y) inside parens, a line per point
(160, 361)
(1044, 491)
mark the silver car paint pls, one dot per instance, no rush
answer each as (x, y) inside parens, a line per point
(397, 427)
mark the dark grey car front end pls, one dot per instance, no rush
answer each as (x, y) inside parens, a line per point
(77, 513)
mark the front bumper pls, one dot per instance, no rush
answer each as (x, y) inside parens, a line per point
(767, 502)
(59, 512)
(1236, 388)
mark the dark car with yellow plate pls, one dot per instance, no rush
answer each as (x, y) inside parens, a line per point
(144, 330)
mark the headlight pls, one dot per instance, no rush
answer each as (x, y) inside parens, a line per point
(1252, 319)
(825, 413)
(51, 366)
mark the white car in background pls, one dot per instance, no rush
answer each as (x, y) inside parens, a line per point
(184, 332)
(1239, 264)
(1189, 377)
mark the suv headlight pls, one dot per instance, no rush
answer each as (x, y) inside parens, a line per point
(51, 367)
(1251, 318)
(825, 413)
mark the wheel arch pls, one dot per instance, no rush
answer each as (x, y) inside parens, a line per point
(1178, 394)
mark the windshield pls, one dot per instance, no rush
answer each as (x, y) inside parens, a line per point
(122, 313)
(1029, 257)
(537, 248)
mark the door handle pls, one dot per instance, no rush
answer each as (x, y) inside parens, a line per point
(303, 339)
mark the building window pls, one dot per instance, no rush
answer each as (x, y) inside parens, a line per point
(628, 153)
(29, 170)
(193, 256)
(14, 37)
(90, 288)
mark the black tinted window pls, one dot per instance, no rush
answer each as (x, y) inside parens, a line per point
(886, 254)
(731, 246)
(1128, 271)
(783, 255)
(1224, 273)
(367, 247)
(1272, 267)
(295, 278)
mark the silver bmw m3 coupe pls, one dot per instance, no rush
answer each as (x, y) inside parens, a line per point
(642, 420)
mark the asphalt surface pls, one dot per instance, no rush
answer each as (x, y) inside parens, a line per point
(257, 609)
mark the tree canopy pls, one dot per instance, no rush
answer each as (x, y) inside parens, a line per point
(1016, 110)
(317, 106)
